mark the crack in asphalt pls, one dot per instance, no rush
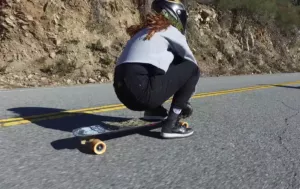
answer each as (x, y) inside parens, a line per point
(281, 137)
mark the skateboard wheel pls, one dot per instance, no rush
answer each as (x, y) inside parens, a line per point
(98, 146)
(185, 124)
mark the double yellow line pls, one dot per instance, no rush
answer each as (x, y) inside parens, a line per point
(68, 113)
(35, 118)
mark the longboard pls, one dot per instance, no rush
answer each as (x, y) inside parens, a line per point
(89, 135)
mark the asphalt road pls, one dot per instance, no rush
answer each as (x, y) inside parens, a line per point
(246, 138)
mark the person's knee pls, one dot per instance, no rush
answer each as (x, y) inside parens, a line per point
(194, 68)
(133, 106)
(197, 71)
(151, 106)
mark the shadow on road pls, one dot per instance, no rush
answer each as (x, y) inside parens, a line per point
(71, 121)
(284, 86)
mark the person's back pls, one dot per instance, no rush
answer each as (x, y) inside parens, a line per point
(153, 51)
(159, 50)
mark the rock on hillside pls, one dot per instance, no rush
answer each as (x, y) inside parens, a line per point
(53, 42)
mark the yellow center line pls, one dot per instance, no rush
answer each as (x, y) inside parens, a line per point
(58, 116)
(50, 116)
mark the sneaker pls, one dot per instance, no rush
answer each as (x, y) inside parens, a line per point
(158, 113)
(171, 128)
(187, 111)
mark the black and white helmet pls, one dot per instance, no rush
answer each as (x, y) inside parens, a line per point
(173, 10)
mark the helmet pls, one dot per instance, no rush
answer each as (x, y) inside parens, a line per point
(174, 11)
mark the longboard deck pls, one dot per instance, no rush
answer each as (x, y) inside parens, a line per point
(108, 127)
(88, 135)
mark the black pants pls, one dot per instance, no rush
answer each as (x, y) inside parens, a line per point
(142, 87)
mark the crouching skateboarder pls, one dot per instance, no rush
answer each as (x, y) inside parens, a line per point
(156, 64)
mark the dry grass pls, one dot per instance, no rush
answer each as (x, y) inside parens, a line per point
(282, 13)
(3, 69)
(62, 67)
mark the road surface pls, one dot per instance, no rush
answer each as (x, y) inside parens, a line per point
(244, 138)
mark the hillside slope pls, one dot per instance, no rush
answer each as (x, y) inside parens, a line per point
(66, 42)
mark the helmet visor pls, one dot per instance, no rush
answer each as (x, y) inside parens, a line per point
(182, 15)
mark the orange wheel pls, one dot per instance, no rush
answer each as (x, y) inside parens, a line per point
(185, 124)
(98, 146)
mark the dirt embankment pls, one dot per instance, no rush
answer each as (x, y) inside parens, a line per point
(66, 42)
